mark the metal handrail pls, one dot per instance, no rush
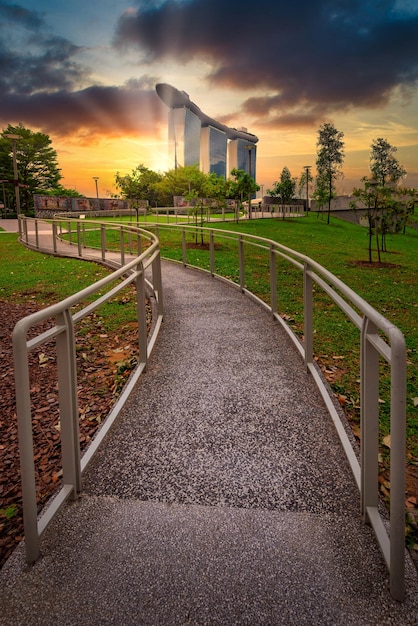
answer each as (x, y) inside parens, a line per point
(371, 325)
(372, 345)
(63, 331)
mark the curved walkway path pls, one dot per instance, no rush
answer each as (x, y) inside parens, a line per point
(221, 495)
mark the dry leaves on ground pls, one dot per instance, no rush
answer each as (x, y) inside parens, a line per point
(104, 364)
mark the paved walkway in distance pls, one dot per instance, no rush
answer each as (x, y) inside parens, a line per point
(221, 496)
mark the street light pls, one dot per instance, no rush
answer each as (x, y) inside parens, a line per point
(96, 178)
(13, 139)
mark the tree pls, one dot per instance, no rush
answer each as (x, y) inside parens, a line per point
(370, 196)
(284, 189)
(37, 163)
(330, 157)
(141, 184)
(384, 166)
(320, 192)
(241, 185)
(216, 188)
(179, 182)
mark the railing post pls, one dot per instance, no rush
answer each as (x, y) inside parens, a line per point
(308, 314)
(103, 241)
(27, 465)
(54, 236)
(212, 253)
(67, 384)
(369, 419)
(273, 281)
(138, 244)
(183, 247)
(130, 241)
(157, 283)
(70, 234)
(241, 263)
(36, 235)
(79, 239)
(142, 315)
(122, 246)
(397, 467)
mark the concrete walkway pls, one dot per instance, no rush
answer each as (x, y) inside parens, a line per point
(221, 495)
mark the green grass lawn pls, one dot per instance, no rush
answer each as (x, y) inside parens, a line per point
(28, 276)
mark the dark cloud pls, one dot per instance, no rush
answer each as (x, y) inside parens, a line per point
(132, 109)
(16, 14)
(317, 56)
(31, 58)
(40, 85)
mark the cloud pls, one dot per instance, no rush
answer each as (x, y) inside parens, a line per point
(131, 109)
(33, 59)
(307, 59)
(44, 86)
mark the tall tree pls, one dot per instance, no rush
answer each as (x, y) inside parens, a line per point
(330, 157)
(36, 162)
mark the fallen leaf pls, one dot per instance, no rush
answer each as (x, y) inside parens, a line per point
(386, 441)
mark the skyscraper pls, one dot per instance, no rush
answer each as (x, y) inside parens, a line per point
(197, 139)
(213, 150)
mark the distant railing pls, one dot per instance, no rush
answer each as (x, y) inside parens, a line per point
(378, 337)
(43, 236)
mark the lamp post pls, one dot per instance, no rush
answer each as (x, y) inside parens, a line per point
(96, 178)
(13, 139)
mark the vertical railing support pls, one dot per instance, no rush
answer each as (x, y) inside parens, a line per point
(241, 263)
(369, 419)
(54, 236)
(273, 281)
(212, 253)
(24, 421)
(142, 315)
(397, 466)
(79, 245)
(157, 283)
(183, 247)
(308, 314)
(67, 384)
(36, 235)
(122, 246)
(103, 241)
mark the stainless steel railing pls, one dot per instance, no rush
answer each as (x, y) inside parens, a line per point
(378, 337)
(42, 236)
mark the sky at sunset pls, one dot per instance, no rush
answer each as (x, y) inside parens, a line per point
(85, 74)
